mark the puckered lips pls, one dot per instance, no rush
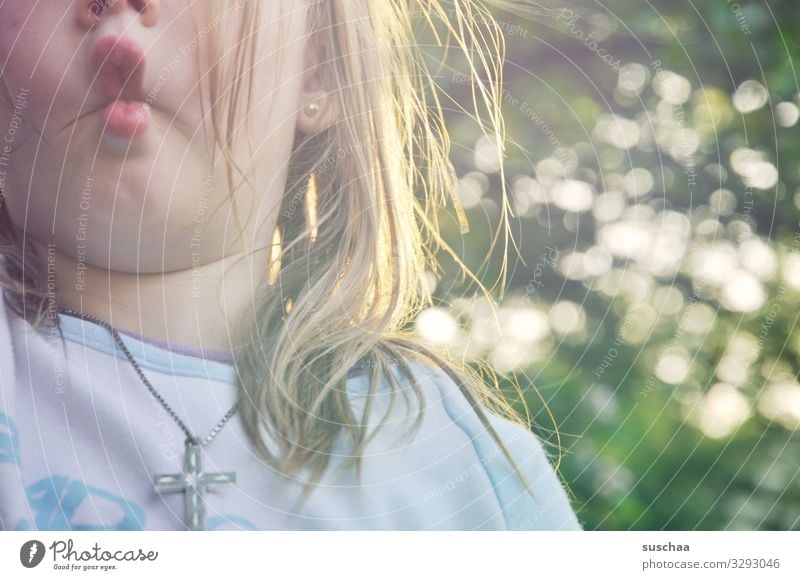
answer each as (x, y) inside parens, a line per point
(119, 66)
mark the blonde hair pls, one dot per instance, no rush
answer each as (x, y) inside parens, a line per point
(347, 280)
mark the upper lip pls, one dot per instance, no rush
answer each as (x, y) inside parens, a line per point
(119, 66)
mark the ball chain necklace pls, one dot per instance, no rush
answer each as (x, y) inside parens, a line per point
(193, 481)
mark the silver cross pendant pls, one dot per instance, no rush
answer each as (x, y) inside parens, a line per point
(193, 482)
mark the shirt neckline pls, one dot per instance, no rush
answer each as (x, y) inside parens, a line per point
(150, 353)
(161, 356)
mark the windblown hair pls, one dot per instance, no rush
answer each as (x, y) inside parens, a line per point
(347, 279)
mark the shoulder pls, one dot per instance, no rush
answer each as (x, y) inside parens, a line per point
(9, 326)
(17, 334)
(9, 434)
(28, 355)
(452, 436)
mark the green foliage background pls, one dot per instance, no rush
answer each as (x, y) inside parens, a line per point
(661, 333)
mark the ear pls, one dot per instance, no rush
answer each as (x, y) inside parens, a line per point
(317, 109)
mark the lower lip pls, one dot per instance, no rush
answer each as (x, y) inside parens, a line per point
(127, 119)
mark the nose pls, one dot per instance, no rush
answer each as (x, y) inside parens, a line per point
(91, 12)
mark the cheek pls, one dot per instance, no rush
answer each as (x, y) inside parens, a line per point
(277, 76)
(12, 14)
(16, 42)
(35, 54)
(25, 28)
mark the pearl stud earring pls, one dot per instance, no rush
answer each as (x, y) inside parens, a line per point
(312, 109)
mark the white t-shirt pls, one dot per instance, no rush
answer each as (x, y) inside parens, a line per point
(81, 439)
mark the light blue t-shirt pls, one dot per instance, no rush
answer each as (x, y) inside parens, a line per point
(81, 440)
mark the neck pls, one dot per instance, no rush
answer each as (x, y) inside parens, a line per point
(198, 307)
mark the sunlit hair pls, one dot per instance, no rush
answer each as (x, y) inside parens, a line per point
(347, 278)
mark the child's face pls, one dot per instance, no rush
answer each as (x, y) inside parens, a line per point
(108, 141)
